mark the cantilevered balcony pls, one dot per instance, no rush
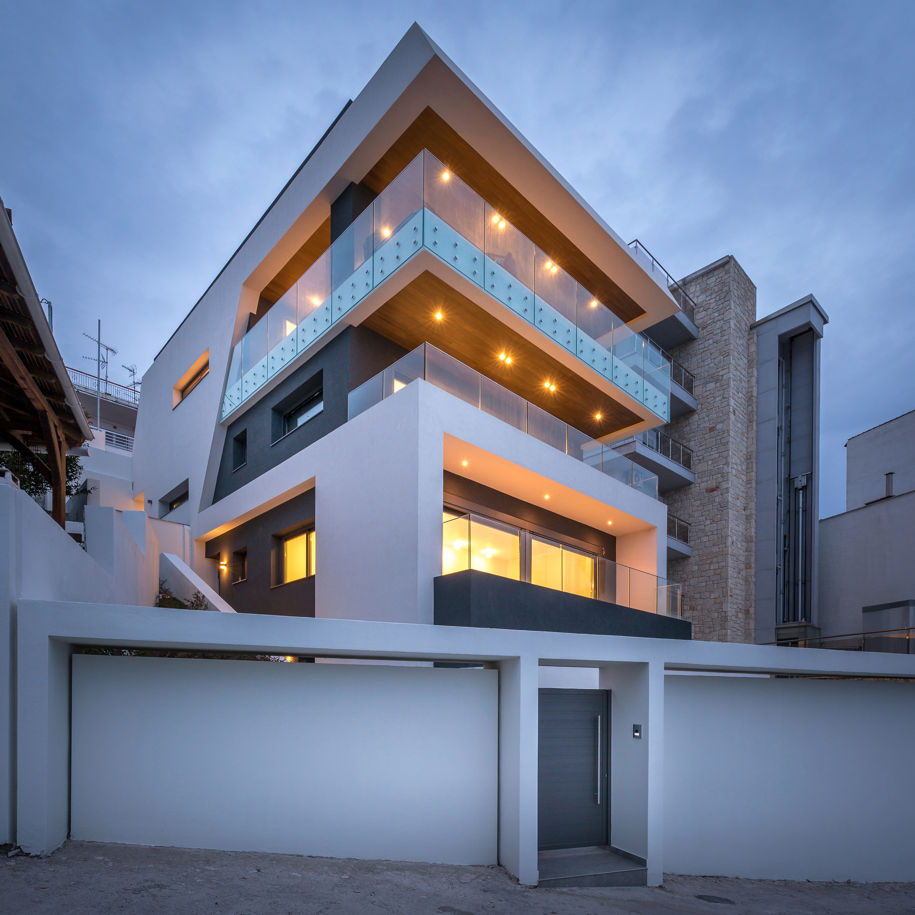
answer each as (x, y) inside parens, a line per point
(681, 326)
(677, 538)
(445, 372)
(669, 460)
(428, 207)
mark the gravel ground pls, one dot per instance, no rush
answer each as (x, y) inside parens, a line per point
(101, 878)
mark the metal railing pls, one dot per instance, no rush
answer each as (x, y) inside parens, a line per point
(894, 641)
(110, 390)
(679, 374)
(679, 294)
(677, 528)
(670, 448)
(119, 440)
(445, 372)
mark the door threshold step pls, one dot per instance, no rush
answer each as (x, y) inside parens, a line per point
(594, 865)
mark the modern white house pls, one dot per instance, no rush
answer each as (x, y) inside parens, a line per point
(385, 444)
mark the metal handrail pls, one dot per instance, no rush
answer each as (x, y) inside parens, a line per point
(110, 390)
(119, 440)
(680, 295)
(669, 447)
(678, 372)
(677, 528)
(905, 634)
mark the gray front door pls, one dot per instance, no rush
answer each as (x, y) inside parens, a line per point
(572, 776)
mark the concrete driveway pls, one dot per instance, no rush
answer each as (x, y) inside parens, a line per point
(92, 877)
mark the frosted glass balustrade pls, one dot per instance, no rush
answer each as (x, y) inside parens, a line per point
(428, 205)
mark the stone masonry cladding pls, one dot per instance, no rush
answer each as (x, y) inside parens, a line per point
(720, 506)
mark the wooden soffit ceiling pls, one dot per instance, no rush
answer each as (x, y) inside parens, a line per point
(430, 131)
(476, 338)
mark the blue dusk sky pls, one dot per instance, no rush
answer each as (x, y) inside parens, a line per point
(142, 140)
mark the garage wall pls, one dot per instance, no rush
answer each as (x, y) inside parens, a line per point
(317, 759)
(789, 778)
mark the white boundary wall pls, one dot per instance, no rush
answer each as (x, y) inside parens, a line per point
(789, 778)
(338, 760)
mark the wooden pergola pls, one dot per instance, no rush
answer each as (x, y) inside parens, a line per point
(40, 416)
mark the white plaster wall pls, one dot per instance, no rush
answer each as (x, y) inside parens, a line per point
(789, 778)
(338, 760)
(865, 559)
(628, 685)
(888, 448)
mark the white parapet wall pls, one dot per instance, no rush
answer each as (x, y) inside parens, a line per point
(793, 779)
(749, 772)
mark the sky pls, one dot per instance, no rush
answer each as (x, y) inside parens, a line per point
(143, 140)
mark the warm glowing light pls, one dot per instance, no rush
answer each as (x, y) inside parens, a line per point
(489, 552)
(501, 223)
(495, 218)
(549, 385)
(439, 316)
(609, 523)
(398, 385)
(290, 658)
(223, 566)
(593, 303)
(446, 175)
(546, 384)
(548, 265)
(385, 232)
(464, 463)
(546, 496)
(459, 544)
(508, 360)
(315, 300)
(598, 416)
(504, 357)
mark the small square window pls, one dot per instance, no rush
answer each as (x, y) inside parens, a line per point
(239, 566)
(240, 449)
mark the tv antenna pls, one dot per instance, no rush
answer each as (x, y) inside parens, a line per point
(100, 361)
(132, 371)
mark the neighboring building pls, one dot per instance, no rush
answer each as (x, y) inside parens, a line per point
(107, 457)
(867, 574)
(40, 417)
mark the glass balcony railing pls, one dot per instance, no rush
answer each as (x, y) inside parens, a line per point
(445, 372)
(657, 272)
(428, 206)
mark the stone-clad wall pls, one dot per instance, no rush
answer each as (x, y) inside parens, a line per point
(720, 506)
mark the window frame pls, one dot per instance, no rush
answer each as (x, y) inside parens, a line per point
(279, 554)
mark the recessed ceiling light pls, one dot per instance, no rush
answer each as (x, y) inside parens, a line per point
(446, 175)
(385, 232)
(464, 463)
(593, 303)
(609, 522)
(496, 218)
(508, 360)
(546, 496)
(439, 315)
(598, 416)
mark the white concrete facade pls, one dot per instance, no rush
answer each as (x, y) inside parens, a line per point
(652, 779)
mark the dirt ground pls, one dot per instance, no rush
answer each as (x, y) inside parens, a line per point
(100, 878)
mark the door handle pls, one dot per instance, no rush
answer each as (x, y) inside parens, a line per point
(597, 787)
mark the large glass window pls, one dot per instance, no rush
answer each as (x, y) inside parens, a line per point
(495, 548)
(472, 541)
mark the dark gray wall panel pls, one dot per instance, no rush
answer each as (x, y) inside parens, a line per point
(255, 594)
(343, 364)
(472, 598)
